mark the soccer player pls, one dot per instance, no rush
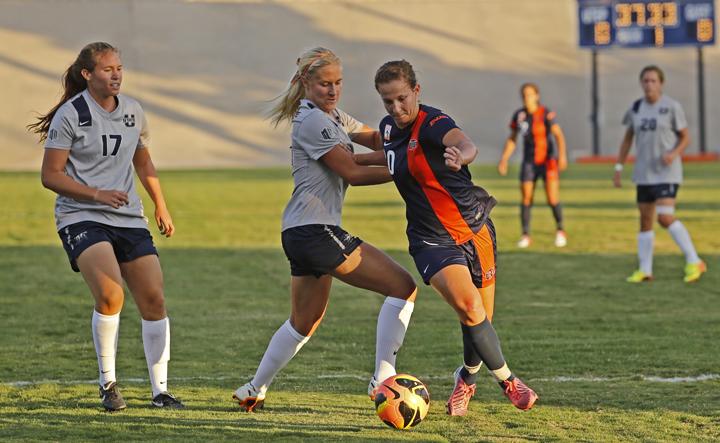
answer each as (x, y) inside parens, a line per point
(657, 124)
(95, 138)
(537, 125)
(317, 247)
(451, 236)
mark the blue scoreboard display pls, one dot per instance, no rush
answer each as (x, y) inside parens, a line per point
(646, 23)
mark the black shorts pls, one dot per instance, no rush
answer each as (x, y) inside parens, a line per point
(651, 193)
(479, 254)
(127, 243)
(317, 249)
(530, 172)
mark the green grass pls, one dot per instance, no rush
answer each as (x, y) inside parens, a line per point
(570, 326)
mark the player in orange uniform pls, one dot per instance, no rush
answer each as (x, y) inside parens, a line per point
(537, 124)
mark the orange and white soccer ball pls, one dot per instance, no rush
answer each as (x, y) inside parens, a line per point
(402, 401)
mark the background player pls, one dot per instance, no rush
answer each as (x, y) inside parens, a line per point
(316, 246)
(93, 138)
(536, 123)
(451, 238)
(658, 125)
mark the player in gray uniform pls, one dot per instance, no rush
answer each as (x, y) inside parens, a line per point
(93, 138)
(658, 125)
(323, 165)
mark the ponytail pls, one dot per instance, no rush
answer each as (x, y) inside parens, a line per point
(73, 83)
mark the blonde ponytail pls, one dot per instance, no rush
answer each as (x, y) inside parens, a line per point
(288, 102)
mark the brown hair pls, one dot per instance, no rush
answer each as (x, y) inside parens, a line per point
(529, 85)
(653, 68)
(395, 70)
(73, 82)
(307, 64)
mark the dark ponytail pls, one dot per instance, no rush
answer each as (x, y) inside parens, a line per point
(73, 83)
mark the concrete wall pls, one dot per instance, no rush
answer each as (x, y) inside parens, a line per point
(205, 69)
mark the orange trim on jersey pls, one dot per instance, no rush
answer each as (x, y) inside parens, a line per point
(486, 255)
(442, 203)
(539, 132)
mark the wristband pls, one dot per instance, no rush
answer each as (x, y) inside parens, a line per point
(618, 167)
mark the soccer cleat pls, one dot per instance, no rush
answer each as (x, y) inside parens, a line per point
(372, 388)
(519, 393)
(166, 400)
(249, 398)
(524, 242)
(693, 271)
(639, 277)
(112, 400)
(458, 402)
(560, 239)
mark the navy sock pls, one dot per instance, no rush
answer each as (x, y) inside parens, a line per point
(470, 358)
(525, 218)
(557, 213)
(485, 341)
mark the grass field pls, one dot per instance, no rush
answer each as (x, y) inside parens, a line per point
(607, 358)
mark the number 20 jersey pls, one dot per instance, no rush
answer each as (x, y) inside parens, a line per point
(441, 205)
(102, 145)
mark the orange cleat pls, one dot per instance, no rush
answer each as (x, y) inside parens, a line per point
(458, 402)
(519, 394)
(249, 398)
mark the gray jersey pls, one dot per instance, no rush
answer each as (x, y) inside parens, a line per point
(656, 128)
(319, 192)
(102, 145)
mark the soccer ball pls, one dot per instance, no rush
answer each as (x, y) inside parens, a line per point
(402, 401)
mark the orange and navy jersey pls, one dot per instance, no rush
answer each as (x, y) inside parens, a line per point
(535, 131)
(442, 207)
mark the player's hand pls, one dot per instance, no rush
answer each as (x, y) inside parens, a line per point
(617, 179)
(111, 198)
(562, 163)
(164, 221)
(453, 158)
(502, 168)
(668, 158)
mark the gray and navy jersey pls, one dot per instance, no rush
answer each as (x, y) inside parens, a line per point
(656, 127)
(319, 192)
(102, 145)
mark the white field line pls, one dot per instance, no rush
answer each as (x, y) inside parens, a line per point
(558, 379)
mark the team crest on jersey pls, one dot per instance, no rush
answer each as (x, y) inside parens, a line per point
(129, 120)
(521, 116)
(664, 110)
(412, 145)
(388, 128)
(490, 274)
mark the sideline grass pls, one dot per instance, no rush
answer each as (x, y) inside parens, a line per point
(560, 313)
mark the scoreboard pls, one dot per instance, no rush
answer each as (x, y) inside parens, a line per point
(646, 23)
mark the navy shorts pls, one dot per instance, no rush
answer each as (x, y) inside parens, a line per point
(530, 172)
(651, 193)
(127, 243)
(479, 254)
(317, 249)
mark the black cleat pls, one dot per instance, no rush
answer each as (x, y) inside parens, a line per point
(167, 400)
(112, 400)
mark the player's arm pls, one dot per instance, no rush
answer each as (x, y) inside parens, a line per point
(53, 177)
(146, 172)
(682, 143)
(459, 149)
(508, 150)
(562, 150)
(368, 137)
(625, 146)
(341, 161)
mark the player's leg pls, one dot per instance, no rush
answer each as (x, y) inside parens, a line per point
(101, 272)
(310, 295)
(527, 190)
(646, 236)
(369, 268)
(694, 267)
(552, 192)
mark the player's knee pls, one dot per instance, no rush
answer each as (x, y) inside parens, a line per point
(665, 220)
(405, 289)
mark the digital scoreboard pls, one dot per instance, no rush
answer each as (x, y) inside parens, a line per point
(646, 23)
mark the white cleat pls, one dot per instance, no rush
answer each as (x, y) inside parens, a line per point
(524, 242)
(372, 388)
(560, 239)
(249, 398)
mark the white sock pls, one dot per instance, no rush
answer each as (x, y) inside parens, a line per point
(392, 324)
(646, 240)
(105, 335)
(284, 344)
(156, 341)
(682, 237)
